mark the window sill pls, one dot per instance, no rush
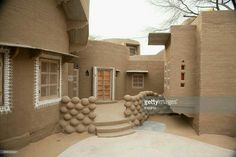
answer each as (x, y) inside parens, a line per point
(48, 102)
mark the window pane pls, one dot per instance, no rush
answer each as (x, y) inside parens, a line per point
(43, 91)
(53, 67)
(44, 66)
(44, 79)
(53, 90)
(53, 79)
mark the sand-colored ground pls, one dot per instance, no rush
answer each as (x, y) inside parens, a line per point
(55, 144)
(145, 143)
(178, 125)
(50, 146)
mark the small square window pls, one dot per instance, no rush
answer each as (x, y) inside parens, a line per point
(182, 67)
(182, 84)
(137, 81)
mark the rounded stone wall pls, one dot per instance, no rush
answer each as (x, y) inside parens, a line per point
(77, 115)
(103, 54)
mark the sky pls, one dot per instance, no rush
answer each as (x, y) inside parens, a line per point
(124, 19)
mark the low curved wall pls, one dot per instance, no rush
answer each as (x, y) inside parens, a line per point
(78, 115)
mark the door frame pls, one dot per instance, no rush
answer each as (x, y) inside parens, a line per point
(95, 78)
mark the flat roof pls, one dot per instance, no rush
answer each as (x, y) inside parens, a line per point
(137, 71)
(158, 38)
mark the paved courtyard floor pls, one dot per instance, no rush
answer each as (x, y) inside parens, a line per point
(145, 143)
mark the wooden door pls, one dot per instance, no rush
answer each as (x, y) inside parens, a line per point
(104, 84)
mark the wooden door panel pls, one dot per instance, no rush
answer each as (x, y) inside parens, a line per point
(104, 84)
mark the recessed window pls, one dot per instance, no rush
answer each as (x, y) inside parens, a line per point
(182, 76)
(182, 67)
(133, 49)
(182, 84)
(137, 80)
(49, 83)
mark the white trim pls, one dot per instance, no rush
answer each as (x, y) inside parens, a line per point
(49, 102)
(7, 81)
(133, 81)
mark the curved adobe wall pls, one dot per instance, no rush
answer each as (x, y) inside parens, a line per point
(40, 24)
(103, 54)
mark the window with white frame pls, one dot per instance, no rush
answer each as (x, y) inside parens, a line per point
(5, 80)
(138, 81)
(48, 80)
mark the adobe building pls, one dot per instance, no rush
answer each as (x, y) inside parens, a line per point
(109, 70)
(200, 70)
(37, 39)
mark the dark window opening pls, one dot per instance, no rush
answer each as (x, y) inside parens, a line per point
(182, 67)
(182, 84)
(182, 76)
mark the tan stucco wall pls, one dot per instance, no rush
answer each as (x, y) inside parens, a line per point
(217, 73)
(102, 54)
(153, 80)
(40, 24)
(26, 124)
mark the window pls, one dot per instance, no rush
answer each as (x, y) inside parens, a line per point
(182, 76)
(182, 67)
(133, 49)
(5, 80)
(182, 84)
(137, 81)
(49, 82)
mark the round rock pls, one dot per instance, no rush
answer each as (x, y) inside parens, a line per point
(74, 122)
(69, 129)
(86, 121)
(85, 111)
(127, 112)
(80, 128)
(73, 112)
(70, 105)
(65, 99)
(79, 106)
(91, 129)
(80, 116)
(92, 106)
(92, 99)
(127, 98)
(128, 104)
(92, 115)
(132, 107)
(67, 116)
(75, 100)
(136, 122)
(84, 101)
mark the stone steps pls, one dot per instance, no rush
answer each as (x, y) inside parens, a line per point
(114, 128)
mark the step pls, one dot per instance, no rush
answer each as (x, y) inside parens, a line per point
(113, 128)
(116, 134)
(111, 122)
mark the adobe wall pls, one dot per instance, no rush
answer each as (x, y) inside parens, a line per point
(26, 124)
(153, 80)
(103, 54)
(217, 69)
(181, 50)
(40, 24)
